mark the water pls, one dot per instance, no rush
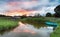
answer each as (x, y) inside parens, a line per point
(27, 30)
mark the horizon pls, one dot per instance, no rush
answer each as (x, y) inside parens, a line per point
(28, 7)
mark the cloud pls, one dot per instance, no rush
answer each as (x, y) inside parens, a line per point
(40, 6)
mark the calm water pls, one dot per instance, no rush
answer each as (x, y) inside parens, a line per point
(28, 30)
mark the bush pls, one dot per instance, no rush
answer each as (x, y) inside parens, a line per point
(48, 15)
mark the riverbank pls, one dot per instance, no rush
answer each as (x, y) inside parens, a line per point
(7, 24)
(41, 21)
(56, 33)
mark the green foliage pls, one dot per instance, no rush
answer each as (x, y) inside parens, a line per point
(37, 22)
(6, 24)
(56, 32)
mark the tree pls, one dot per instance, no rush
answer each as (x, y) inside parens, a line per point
(48, 15)
(57, 10)
(2, 15)
(37, 15)
(23, 16)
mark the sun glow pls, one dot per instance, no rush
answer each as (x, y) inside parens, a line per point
(17, 13)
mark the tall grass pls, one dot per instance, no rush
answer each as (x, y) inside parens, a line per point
(56, 33)
(37, 22)
(6, 24)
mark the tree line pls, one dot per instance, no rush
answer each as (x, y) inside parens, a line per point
(56, 14)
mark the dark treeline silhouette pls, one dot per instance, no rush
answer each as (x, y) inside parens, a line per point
(2, 15)
(14, 17)
(48, 14)
(37, 15)
(23, 16)
(5, 16)
(57, 11)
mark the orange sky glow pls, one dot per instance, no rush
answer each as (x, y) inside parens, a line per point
(18, 13)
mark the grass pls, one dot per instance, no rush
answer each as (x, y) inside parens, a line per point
(36, 22)
(7, 24)
(56, 33)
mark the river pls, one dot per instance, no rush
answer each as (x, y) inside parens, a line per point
(28, 30)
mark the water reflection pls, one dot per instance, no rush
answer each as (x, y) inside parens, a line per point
(35, 24)
(27, 30)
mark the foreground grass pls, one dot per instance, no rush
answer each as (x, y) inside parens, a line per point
(56, 33)
(7, 24)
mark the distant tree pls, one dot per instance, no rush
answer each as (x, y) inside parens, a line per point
(57, 10)
(2, 15)
(23, 16)
(48, 15)
(37, 15)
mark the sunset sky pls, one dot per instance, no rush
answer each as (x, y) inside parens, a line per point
(28, 7)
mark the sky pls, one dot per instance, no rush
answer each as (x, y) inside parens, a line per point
(28, 7)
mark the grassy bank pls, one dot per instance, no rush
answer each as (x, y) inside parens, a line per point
(7, 23)
(37, 22)
(56, 33)
(40, 20)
